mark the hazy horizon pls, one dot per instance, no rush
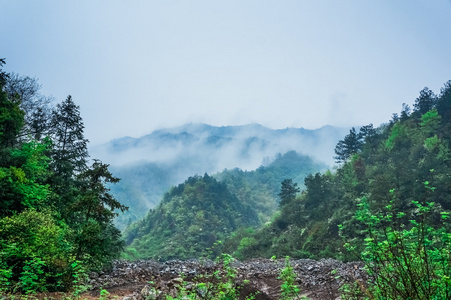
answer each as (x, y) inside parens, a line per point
(134, 67)
(218, 126)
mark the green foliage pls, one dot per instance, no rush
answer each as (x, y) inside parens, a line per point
(425, 102)
(93, 213)
(35, 253)
(191, 218)
(79, 279)
(221, 285)
(11, 120)
(104, 294)
(404, 260)
(22, 183)
(444, 103)
(260, 188)
(396, 155)
(3, 75)
(289, 288)
(350, 145)
(430, 122)
(398, 131)
(288, 191)
(431, 143)
(54, 210)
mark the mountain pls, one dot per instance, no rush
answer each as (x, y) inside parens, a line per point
(260, 188)
(150, 165)
(192, 217)
(204, 210)
(209, 149)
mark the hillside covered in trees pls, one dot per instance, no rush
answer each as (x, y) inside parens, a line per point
(401, 164)
(204, 210)
(191, 218)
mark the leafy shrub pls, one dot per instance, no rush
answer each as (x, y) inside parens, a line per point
(218, 286)
(404, 260)
(289, 288)
(34, 253)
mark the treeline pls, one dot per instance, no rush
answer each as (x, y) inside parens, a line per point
(409, 156)
(55, 210)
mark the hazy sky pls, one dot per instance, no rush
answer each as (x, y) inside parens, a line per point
(135, 66)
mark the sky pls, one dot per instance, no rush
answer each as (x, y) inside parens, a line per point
(136, 66)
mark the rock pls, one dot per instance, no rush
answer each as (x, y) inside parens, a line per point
(149, 293)
(314, 277)
(177, 281)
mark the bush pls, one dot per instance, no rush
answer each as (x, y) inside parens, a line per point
(219, 286)
(289, 288)
(34, 253)
(404, 260)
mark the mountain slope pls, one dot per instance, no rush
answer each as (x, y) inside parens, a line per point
(191, 218)
(260, 188)
(398, 166)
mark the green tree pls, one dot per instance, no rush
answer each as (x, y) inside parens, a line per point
(444, 102)
(69, 153)
(3, 75)
(93, 213)
(351, 144)
(425, 102)
(288, 191)
(22, 183)
(11, 120)
(34, 105)
(67, 131)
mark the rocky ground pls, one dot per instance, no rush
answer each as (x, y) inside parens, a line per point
(130, 280)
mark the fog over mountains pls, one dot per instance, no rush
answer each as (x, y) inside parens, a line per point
(203, 148)
(148, 166)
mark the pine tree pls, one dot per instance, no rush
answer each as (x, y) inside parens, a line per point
(11, 121)
(444, 103)
(93, 213)
(67, 128)
(69, 152)
(11, 116)
(288, 191)
(425, 102)
(351, 144)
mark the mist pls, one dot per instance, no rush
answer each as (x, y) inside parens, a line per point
(151, 164)
(198, 148)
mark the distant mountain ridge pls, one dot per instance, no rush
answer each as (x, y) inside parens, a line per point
(244, 146)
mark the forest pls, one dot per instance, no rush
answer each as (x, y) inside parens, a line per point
(56, 213)
(386, 203)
